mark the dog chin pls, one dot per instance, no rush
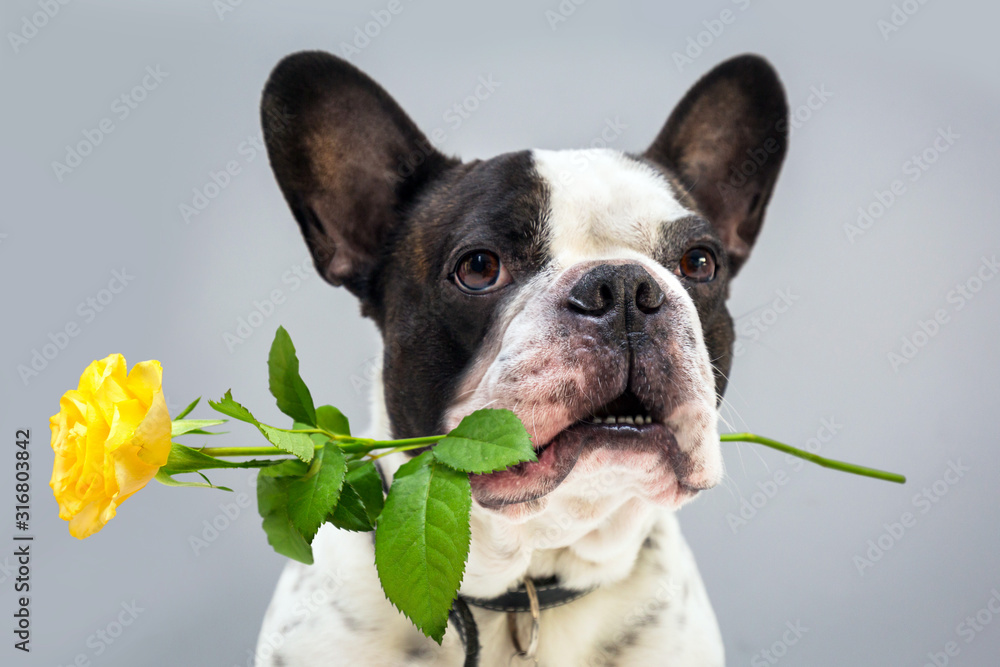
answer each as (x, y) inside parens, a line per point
(599, 459)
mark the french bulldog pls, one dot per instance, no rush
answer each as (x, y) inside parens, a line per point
(585, 290)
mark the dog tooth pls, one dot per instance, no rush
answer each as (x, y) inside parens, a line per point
(638, 420)
(596, 420)
(628, 420)
(610, 420)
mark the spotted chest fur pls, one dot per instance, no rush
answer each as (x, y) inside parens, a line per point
(333, 613)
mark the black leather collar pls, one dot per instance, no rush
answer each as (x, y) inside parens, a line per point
(550, 594)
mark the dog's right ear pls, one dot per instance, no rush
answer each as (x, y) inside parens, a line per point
(732, 114)
(347, 158)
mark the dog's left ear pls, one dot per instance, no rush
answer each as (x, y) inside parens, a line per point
(726, 140)
(348, 159)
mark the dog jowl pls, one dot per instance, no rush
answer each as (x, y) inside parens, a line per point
(585, 290)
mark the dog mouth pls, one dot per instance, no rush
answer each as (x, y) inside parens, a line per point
(626, 428)
(625, 414)
(628, 409)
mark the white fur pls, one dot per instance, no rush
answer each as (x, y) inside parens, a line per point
(604, 205)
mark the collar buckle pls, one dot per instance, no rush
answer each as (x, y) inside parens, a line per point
(529, 652)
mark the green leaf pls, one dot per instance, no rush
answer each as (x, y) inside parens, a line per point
(422, 541)
(185, 459)
(486, 441)
(227, 406)
(366, 481)
(312, 497)
(299, 444)
(272, 504)
(288, 468)
(333, 420)
(182, 426)
(286, 385)
(186, 411)
(163, 477)
(361, 498)
(350, 513)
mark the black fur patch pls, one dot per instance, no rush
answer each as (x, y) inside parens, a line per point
(431, 328)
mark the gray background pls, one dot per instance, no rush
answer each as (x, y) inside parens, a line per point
(826, 357)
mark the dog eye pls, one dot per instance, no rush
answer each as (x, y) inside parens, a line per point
(480, 271)
(698, 264)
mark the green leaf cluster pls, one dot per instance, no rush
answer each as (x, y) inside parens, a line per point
(329, 476)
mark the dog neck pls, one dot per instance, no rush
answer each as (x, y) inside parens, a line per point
(588, 533)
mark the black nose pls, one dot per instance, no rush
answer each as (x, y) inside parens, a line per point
(626, 288)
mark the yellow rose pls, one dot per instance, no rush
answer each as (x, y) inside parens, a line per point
(110, 437)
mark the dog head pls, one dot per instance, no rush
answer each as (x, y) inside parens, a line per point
(584, 289)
